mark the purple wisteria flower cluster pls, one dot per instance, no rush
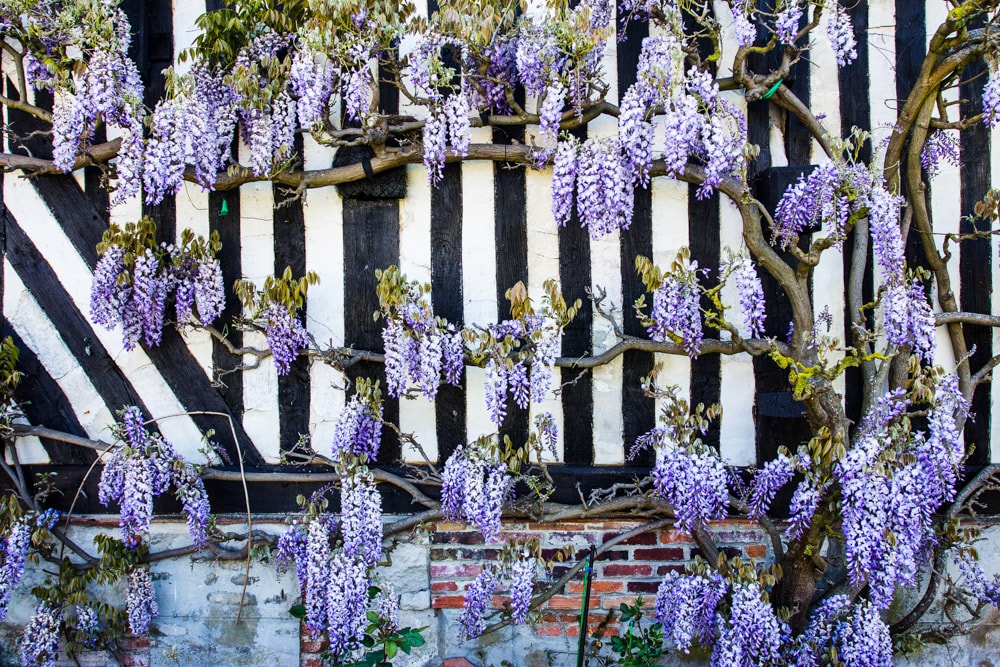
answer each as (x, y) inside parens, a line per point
(358, 431)
(478, 601)
(420, 349)
(521, 354)
(892, 481)
(686, 605)
(475, 489)
(699, 123)
(134, 278)
(334, 583)
(851, 633)
(596, 172)
(13, 552)
(285, 334)
(40, 638)
(941, 146)
(676, 312)
(830, 196)
(140, 600)
(751, 293)
(753, 635)
(361, 516)
(102, 86)
(141, 465)
(692, 478)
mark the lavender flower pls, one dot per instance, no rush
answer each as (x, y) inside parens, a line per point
(751, 296)
(604, 189)
(805, 501)
(209, 293)
(136, 501)
(107, 297)
(475, 490)
(194, 501)
(753, 635)
(677, 311)
(767, 482)
(285, 336)
(840, 32)
(453, 478)
(909, 322)
(317, 575)
(693, 481)
(991, 101)
(865, 640)
(13, 552)
(975, 580)
(140, 602)
(478, 599)
(786, 22)
(746, 33)
(813, 199)
(86, 624)
(564, 180)
(887, 241)
(548, 433)
(550, 115)
(522, 585)
(361, 517)
(346, 604)
(386, 605)
(435, 144)
(496, 390)
(686, 605)
(149, 296)
(40, 639)
(941, 146)
(358, 430)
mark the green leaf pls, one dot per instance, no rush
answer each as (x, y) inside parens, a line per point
(298, 611)
(391, 649)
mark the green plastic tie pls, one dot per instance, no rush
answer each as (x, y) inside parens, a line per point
(224, 209)
(770, 93)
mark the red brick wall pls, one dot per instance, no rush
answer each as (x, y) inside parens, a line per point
(630, 569)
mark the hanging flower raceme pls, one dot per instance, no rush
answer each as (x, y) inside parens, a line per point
(699, 123)
(361, 516)
(420, 349)
(840, 32)
(275, 308)
(140, 601)
(40, 639)
(687, 604)
(752, 636)
(141, 465)
(135, 277)
(358, 431)
(908, 319)
(478, 601)
(475, 489)
(15, 541)
(854, 633)
(92, 77)
(751, 293)
(892, 481)
(676, 312)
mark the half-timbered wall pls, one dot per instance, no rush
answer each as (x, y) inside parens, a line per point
(486, 226)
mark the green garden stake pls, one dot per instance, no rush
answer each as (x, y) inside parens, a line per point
(224, 209)
(588, 573)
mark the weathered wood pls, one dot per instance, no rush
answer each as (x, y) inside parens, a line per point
(83, 226)
(855, 111)
(511, 234)
(577, 384)
(290, 251)
(224, 218)
(371, 241)
(448, 300)
(43, 402)
(911, 40)
(638, 409)
(703, 240)
(975, 259)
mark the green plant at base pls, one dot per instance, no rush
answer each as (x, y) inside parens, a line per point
(639, 646)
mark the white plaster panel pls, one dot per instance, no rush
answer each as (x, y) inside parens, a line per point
(416, 416)
(543, 264)
(260, 385)
(324, 231)
(670, 234)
